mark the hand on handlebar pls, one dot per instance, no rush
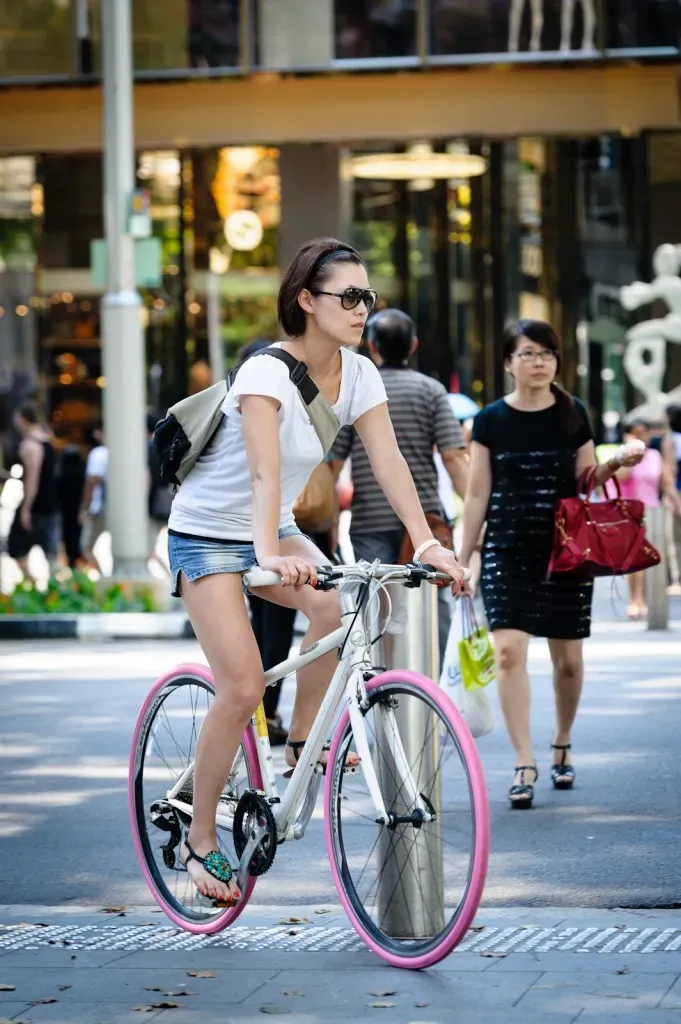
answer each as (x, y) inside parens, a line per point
(444, 560)
(294, 571)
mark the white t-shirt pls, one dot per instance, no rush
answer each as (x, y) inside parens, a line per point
(97, 465)
(216, 498)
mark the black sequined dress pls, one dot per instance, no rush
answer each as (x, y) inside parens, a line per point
(533, 465)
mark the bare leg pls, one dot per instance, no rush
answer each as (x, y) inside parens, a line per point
(568, 677)
(23, 565)
(323, 612)
(217, 610)
(513, 685)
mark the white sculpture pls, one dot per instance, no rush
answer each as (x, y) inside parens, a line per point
(515, 19)
(645, 358)
(566, 24)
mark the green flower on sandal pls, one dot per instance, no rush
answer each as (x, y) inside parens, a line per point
(215, 863)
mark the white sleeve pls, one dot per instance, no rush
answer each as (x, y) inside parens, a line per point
(261, 375)
(97, 462)
(368, 389)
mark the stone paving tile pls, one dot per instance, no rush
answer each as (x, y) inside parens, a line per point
(672, 1000)
(581, 990)
(344, 991)
(50, 957)
(92, 1013)
(642, 1017)
(600, 963)
(241, 959)
(130, 987)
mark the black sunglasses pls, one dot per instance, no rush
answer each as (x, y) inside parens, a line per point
(352, 297)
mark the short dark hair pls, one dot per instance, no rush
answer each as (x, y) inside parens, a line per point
(28, 412)
(392, 332)
(309, 268)
(541, 333)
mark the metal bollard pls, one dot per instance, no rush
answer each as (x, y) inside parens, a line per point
(656, 578)
(412, 905)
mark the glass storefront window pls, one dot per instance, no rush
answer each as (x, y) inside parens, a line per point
(36, 37)
(375, 28)
(179, 34)
(514, 26)
(634, 24)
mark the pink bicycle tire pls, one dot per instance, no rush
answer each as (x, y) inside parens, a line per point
(480, 857)
(220, 921)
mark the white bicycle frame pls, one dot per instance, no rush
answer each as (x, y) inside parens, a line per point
(293, 811)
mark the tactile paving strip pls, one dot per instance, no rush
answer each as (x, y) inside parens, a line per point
(336, 938)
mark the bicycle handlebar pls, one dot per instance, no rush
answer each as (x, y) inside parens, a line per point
(334, 573)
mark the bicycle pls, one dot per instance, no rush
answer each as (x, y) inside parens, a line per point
(417, 799)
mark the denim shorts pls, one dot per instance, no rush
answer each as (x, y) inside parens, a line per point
(200, 556)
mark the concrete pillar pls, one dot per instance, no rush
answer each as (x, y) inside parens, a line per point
(315, 198)
(122, 333)
(295, 33)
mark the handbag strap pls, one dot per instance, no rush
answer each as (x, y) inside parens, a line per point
(586, 484)
(322, 416)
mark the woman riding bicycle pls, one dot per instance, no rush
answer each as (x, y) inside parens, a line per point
(234, 511)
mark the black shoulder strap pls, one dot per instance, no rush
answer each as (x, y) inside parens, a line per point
(297, 372)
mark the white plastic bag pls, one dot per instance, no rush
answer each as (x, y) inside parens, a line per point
(474, 706)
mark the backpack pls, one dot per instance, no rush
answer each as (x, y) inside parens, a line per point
(190, 424)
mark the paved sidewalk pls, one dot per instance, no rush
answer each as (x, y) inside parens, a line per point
(64, 965)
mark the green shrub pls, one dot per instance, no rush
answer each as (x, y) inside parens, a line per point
(76, 594)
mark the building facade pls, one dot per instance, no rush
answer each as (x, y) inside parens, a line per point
(260, 123)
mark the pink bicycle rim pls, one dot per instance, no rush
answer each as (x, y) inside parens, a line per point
(220, 921)
(482, 826)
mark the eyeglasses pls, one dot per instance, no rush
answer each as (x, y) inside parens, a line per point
(529, 355)
(352, 297)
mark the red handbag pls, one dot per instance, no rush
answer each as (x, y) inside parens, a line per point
(602, 538)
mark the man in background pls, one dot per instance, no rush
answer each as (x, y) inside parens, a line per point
(93, 504)
(423, 421)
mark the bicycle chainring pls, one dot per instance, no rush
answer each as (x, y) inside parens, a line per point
(253, 813)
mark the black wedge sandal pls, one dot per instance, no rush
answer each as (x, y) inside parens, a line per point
(522, 794)
(297, 745)
(217, 866)
(562, 774)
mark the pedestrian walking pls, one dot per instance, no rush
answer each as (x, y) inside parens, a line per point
(36, 520)
(423, 423)
(528, 451)
(70, 481)
(93, 504)
(647, 482)
(234, 510)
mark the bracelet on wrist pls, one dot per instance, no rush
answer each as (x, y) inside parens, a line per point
(432, 543)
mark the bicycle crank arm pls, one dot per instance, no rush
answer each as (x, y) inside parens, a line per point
(251, 846)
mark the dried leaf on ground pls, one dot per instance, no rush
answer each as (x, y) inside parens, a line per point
(74, 957)
(381, 1005)
(421, 1006)
(63, 988)
(154, 988)
(7, 988)
(179, 992)
(293, 992)
(113, 910)
(490, 952)
(43, 1002)
(382, 992)
(477, 928)
(155, 1006)
(293, 920)
(323, 910)
(292, 931)
(142, 1009)
(269, 1008)
(622, 970)
(200, 974)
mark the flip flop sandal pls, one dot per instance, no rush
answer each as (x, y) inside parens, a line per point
(217, 865)
(297, 745)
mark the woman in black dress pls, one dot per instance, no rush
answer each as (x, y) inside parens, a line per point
(527, 452)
